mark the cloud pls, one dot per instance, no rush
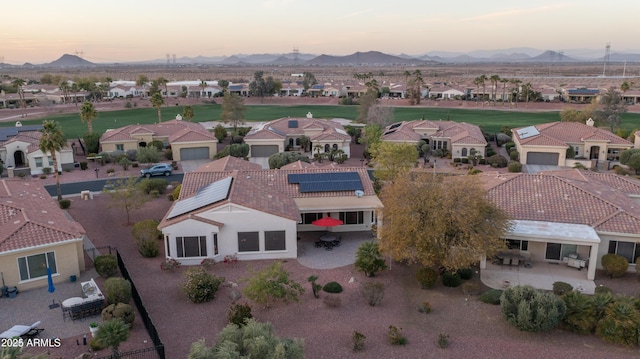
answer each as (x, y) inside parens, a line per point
(353, 14)
(515, 12)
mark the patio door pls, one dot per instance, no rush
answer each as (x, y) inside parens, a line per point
(557, 251)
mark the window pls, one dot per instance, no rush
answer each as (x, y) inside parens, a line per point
(307, 218)
(557, 251)
(119, 147)
(38, 162)
(327, 148)
(35, 266)
(334, 147)
(352, 217)
(195, 246)
(274, 241)
(629, 250)
(215, 244)
(519, 245)
(248, 242)
(168, 246)
(464, 152)
(50, 160)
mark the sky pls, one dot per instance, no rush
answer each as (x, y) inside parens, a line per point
(40, 31)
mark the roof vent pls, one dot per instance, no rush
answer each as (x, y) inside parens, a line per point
(18, 124)
(359, 193)
(309, 115)
(293, 123)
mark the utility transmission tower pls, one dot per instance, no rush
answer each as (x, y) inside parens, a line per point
(168, 59)
(173, 57)
(607, 52)
(296, 52)
(79, 53)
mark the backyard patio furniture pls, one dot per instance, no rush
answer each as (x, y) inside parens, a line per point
(22, 331)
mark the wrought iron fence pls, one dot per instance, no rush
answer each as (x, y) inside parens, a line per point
(146, 353)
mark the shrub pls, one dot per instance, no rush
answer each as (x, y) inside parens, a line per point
(239, 314)
(200, 286)
(148, 185)
(464, 160)
(131, 155)
(456, 160)
(373, 292)
(561, 288)
(148, 154)
(465, 273)
(176, 192)
(124, 162)
(96, 345)
(168, 154)
(581, 315)
(43, 176)
(490, 153)
(474, 171)
(111, 170)
(315, 287)
(46, 170)
(154, 193)
(170, 264)
(135, 165)
(106, 265)
(532, 310)
(497, 161)
(515, 167)
(603, 290)
(513, 155)
(508, 146)
(220, 132)
(451, 279)
(271, 284)
(207, 263)
(425, 308)
(83, 165)
(332, 287)
(492, 296)
(157, 144)
(105, 157)
(358, 341)
(117, 290)
(119, 310)
(615, 265)
(64, 203)
(91, 142)
(369, 260)
(395, 336)
(620, 322)
(332, 301)
(443, 340)
(427, 277)
(148, 248)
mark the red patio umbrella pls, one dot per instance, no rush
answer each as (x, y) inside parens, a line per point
(327, 222)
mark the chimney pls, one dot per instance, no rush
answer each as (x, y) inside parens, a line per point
(590, 122)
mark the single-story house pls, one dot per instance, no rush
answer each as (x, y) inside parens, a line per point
(446, 92)
(35, 234)
(547, 144)
(564, 215)
(210, 219)
(188, 140)
(459, 138)
(20, 151)
(285, 134)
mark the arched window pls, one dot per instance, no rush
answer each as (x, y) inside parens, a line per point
(464, 152)
(291, 142)
(327, 148)
(335, 147)
(298, 141)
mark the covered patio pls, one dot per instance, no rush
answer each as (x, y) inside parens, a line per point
(319, 258)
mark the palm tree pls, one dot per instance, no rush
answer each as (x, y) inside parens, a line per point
(494, 83)
(52, 141)
(87, 114)
(483, 78)
(517, 83)
(527, 89)
(64, 87)
(203, 85)
(113, 332)
(406, 80)
(157, 101)
(476, 82)
(417, 83)
(75, 89)
(161, 81)
(504, 89)
(187, 113)
(18, 83)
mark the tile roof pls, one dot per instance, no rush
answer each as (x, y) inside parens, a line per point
(602, 201)
(174, 130)
(563, 133)
(314, 128)
(457, 132)
(29, 217)
(228, 163)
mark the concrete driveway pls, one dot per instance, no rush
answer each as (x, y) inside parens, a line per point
(539, 168)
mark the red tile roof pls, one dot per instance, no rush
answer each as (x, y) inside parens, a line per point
(174, 130)
(557, 133)
(321, 129)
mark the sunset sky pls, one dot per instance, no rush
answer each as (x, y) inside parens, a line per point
(40, 31)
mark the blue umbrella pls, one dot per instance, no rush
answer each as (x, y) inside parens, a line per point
(50, 280)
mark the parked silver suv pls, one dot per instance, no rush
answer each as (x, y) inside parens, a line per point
(157, 170)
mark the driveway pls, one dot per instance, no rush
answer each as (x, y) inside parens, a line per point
(539, 168)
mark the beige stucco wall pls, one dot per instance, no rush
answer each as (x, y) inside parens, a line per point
(111, 146)
(604, 246)
(524, 151)
(69, 261)
(65, 157)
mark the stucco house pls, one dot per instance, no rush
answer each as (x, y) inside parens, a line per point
(20, 152)
(459, 138)
(188, 140)
(231, 207)
(563, 214)
(284, 134)
(547, 144)
(35, 234)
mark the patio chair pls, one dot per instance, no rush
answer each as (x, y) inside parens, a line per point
(22, 331)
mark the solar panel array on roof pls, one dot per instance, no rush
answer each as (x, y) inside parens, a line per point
(209, 194)
(326, 182)
(395, 125)
(389, 132)
(527, 132)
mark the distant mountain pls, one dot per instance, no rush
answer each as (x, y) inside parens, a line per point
(67, 60)
(552, 56)
(363, 58)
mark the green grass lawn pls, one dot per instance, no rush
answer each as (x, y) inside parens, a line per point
(490, 120)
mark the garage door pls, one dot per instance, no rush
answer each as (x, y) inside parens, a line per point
(196, 153)
(542, 158)
(263, 150)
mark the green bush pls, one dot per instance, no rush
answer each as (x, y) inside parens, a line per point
(157, 144)
(561, 288)
(369, 260)
(497, 161)
(119, 310)
(603, 290)
(358, 341)
(443, 340)
(513, 155)
(515, 167)
(508, 146)
(83, 165)
(332, 287)
(220, 132)
(106, 265)
(117, 290)
(492, 296)
(64, 203)
(200, 286)
(425, 308)
(451, 279)
(149, 154)
(239, 313)
(46, 170)
(96, 345)
(168, 154)
(176, 192)
(620, 322)
(532, 310)
(157, 184)
(395, 336)
(373, 292)
(427, 277)
(464, 160)
(581, 315)
(465, 273)
(271, 284)
(148, 248)
(615, 265)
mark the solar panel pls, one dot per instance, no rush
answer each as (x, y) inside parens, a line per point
(395, 125)
(389, 132)
(528, 132)
(306, 187)
(293, 123)
(209, 194)
(326, 182)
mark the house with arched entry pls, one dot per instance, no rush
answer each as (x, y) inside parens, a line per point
(20, 152)
(458, 138)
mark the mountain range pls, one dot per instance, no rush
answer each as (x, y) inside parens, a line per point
(371, 58)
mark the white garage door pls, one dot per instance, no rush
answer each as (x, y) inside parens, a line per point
(263, 150)
(196, 153)
(542, 158)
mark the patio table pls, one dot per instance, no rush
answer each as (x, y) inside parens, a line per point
(70, 302)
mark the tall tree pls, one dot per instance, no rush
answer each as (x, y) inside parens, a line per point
(476, 82)
(87, 114)
(258, 87)
(516, 87)
(367, 101)
(52, 140)
(224, 85)
(142, 80)
(308, 80)
(65, 88)
(232, 110)
(504, 89)
(494, 86)
(187, 113)
(406, 75)
(392, 159)
(19, 85)
(612, 109)
(127, 195)
(483, 79)
(157, 101)
(527, 88)
(443, 221)
(161, 81)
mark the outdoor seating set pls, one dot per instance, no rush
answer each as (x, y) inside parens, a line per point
(512, 259)
(328, 242)
(79, 307)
